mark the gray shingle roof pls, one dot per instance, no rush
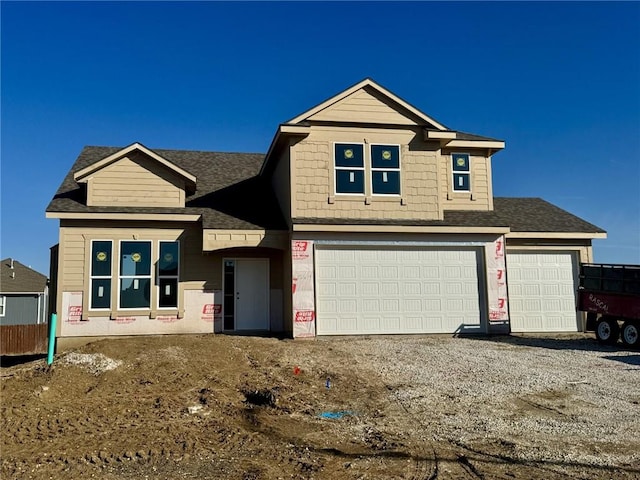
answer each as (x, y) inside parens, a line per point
(229, 194)
(520, 214)
(20, 278)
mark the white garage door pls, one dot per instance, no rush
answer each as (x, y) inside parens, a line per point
(396, 290)
(542, 291)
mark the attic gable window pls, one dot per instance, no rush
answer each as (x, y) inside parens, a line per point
(385, 169)
(349, 168)
(461, 172)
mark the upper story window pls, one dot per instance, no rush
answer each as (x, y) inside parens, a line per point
(381, 167)
(135, 274)
(461, 172)
(385, 169)
(349, 163)
(3, 302)
(100, 287)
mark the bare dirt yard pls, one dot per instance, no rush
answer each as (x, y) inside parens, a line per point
(231, 407)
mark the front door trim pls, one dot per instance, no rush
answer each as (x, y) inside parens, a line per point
(230, 311)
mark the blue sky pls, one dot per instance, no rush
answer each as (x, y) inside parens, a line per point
(559, 82)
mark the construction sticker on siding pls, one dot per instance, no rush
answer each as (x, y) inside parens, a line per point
(497, 285)
(304, 311)
(204, 306)
(71, 307)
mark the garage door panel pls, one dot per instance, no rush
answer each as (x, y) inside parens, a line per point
(394, 286)
(369, 271)
(432, 273)
(542, 288)
(327, 272)
(348, 306)
(390, 305)
(347, 272)
(370, 305)
(411, 288)
(432, 305)
(431, 288)
(411, 272)
(388, 271)
(412, 305)
(346, 289)
(389, 288)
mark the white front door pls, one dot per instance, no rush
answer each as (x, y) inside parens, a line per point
(251, 294)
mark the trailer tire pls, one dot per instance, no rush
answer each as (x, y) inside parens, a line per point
(607, 331)
(629, 335)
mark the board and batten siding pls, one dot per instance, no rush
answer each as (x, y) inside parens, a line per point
(135, 181)
(313, 189)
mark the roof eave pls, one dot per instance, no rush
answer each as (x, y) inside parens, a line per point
(298, 227)
(558, 235)
(284, 130)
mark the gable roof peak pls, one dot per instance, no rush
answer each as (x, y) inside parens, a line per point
(83, 174)
(368, 82)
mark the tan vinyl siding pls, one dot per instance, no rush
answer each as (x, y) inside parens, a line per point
(313, 176)
(135, 181)
(365, 106)
(481, 195)
(281, 182)
(583, 248)
(198, 270)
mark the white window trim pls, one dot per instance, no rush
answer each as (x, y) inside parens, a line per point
(100, 277)
(399, 170)
(176, 277)
(458, 172)
(363, 168)
(150, 276)
(3, 305)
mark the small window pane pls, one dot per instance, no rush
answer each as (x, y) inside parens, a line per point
(349, 181)
(101, 259)
(168, 262)
(461, 162)
(383, 156)
(135, 258)
(349, 155)
(386, 182)
(101, 293)
(168, 292)
(461, 181)
(135, 292)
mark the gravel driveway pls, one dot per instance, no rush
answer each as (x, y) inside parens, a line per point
(561, 401)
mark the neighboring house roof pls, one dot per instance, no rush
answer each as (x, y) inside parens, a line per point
(20, 278)
(229, 194)
(519, 214)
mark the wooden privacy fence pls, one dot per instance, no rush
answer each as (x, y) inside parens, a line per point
(23, 339)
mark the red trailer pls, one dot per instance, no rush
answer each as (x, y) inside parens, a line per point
(610, 294)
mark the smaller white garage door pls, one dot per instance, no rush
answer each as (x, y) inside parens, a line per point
(379, 290)
(542, 291)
